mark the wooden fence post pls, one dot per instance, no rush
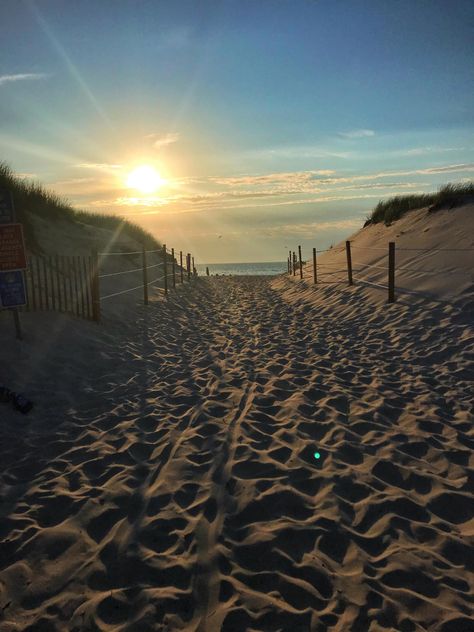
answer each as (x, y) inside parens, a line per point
(145, 277)
(86, 284)
(165, 269)
(207, 271)
(294, 263)
(46, 284)
(173, 267)
(301, 262)
(193, 268)
(58, 283)
(31, 262)
(16, 322)
(315, 270)
(349, 263)
(188, 263)
(391, 271)
(181, 265)
(95, 287)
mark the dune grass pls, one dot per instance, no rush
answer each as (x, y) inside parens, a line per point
(31, 198)
(450, 195)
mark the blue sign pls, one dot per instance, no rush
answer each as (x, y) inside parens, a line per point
(7, 210)
(12, 289)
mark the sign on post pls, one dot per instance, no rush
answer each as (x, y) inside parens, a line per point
(12, 260)
(7, 210)
(12, 289)
(12, 247)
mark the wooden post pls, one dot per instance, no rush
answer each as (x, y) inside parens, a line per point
(145, 277)
(349, 263)
(294, 263)
(95, 287)
(53, 293)
(193, 268)
(207, 271)
(65, 282)
(165, 270)
(181, 265)
(31, 262)
(315, 270)
(16, 320)
(301, 262)
(71, 289)
(173, 267)
(76, 285)
(86, 287)
(58, 283)
(46, 284)
(391, 271)
(82, 286)
(188, 263)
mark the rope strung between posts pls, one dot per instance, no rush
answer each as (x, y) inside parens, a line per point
(132, 289)
(110, 274)
(113, 254)
(369, 265)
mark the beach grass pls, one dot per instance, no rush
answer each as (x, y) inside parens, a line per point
(390, 210)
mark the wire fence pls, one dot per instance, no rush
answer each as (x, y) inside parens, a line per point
(380, 273)
(80, 284)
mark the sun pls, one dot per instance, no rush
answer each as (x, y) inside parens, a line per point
(145, 179)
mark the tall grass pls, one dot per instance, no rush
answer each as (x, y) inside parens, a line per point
(450, 195)
(31, 198)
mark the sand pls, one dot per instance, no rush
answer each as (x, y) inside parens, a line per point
(166, 479)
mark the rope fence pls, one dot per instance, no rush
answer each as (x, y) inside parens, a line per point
(295, 263)
(168, 263)
(72, 284)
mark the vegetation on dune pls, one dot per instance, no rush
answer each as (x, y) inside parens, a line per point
(450, 195)
(31, 198)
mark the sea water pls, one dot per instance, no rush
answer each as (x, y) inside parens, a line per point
(247, 269)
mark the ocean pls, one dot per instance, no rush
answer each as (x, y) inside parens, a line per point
(265, 268)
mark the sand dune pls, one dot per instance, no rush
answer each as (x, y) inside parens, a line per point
(166, 478)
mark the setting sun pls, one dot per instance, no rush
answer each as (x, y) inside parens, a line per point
(145, 179)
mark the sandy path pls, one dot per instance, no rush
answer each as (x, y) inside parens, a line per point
(178, 490)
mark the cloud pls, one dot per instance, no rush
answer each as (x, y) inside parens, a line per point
(290, 178)
(358, 133)
(28, 76)
(162, 141)
(98, 166)
(306, 229)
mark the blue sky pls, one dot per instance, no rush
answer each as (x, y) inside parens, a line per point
(274, 122)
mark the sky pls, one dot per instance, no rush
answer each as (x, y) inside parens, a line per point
(272, 123)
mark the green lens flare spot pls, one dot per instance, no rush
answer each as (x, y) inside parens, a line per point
(317, 455)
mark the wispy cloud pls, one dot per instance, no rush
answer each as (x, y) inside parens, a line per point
(160, 140)
(27, 76)
(98, 166)
(357, 133)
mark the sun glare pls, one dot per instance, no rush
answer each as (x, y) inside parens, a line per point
(145, 179)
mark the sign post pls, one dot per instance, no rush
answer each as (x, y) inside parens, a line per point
(12, 260)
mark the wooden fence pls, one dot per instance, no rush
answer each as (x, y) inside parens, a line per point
(63, 284)
(72, 284)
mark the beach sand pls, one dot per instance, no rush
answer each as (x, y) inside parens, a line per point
(166, 478)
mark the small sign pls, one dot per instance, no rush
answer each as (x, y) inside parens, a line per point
(7, 210)
(12, 289)
(12, 247)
